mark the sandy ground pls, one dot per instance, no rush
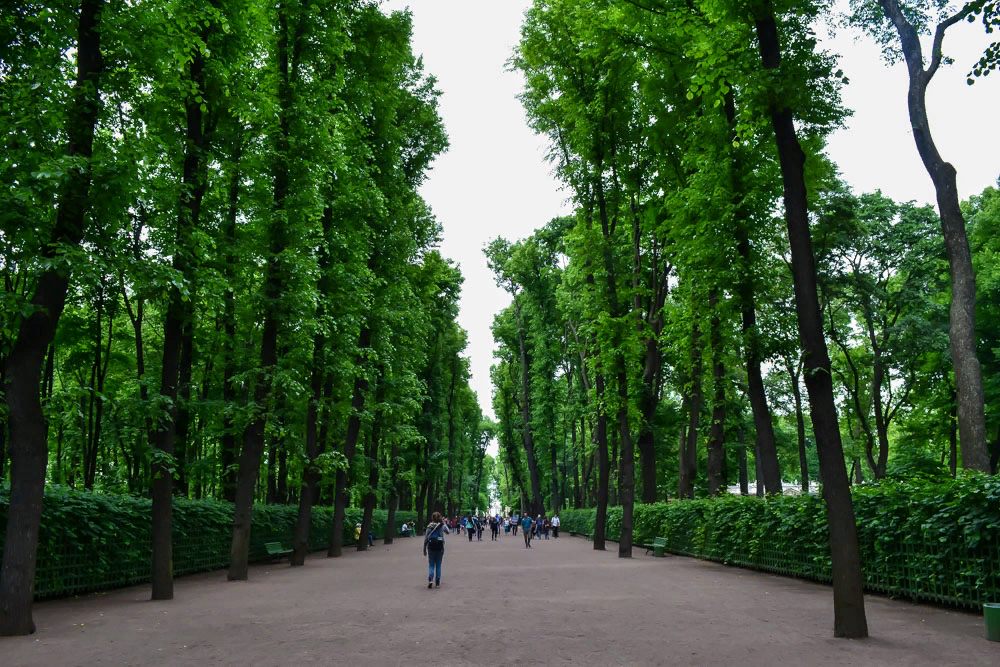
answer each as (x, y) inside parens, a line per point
(499, 604)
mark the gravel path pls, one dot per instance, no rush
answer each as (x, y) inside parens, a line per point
(499, 604)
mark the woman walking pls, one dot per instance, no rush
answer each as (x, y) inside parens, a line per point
(434, 548)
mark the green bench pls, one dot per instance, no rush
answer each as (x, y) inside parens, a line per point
(658, 546)
(275, 550)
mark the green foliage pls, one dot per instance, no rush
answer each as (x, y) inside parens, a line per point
(90, 541)
(927, 540)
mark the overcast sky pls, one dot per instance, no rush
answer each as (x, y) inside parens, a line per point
(494, 180)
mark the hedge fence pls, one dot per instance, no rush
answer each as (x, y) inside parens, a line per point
(92, 542)
(926, 541)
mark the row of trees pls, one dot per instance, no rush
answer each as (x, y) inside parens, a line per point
(219, 277)
(674, 315)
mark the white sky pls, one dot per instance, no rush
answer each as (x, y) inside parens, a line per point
(494, 179)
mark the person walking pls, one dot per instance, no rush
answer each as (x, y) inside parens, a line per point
(555, 526)
(434, 548)
(470, 526)
(526, 529)
(514, 523)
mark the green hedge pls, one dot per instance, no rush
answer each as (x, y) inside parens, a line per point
(923, 540)
(90, 542)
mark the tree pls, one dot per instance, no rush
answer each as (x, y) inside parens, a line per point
(908, 21)
(23, 368)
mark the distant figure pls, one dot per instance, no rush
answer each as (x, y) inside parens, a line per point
(494, 528)
(514, 523)
(470, 526)
(357, 533)
(434, 548)
(555, 526)
(526, 529)
(405, 530)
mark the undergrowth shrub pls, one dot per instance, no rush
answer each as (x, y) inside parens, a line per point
(92, 541)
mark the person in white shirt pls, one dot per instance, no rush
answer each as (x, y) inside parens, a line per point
(555, 525)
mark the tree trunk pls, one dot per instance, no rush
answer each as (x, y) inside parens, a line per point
(744, 477)
(529, 442)
(800, 424)
(390, 522)
(646, 441)
(962, 330)
(175, 325)
(272, 471)
(274, 285)
(350, 443)
(368, 502)
(848, 595)
(716, 439)
(626, 479)
(953, 440)
(766, 447)
(228, 445)
(182, 453)
(577, 490)
(689, 449)
(601, 517)
(28, 442)
(310, 475)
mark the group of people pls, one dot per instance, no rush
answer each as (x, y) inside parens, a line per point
(535, 528)
(475, 526)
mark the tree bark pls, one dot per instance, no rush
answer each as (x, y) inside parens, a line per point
(953, 441)
(274, 285)
(28, 442)
(368, 502)
(229, 454)
(689, 448)
(176, 323)
(763, 428)
(848, 595)
(800, 424)
(601, 516)
(716, 439)
(962, 330)
(390, 522)
(529, 442)
(744, 477)
(350, 443)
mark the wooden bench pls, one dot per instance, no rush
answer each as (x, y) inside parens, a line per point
(275, 550)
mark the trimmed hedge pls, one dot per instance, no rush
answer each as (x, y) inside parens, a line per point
(91, 542)
(936, 541)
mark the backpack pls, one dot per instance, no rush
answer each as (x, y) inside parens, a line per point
(435, 542)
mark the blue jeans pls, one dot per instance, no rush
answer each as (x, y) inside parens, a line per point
(434, 564)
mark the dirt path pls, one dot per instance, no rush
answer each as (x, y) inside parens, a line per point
(558, 603)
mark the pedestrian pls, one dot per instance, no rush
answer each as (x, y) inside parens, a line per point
(526, 529)
(555, 526)
(538, 527)
(434, 548)
(479, 529)
(514, 524)
(470, 526)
